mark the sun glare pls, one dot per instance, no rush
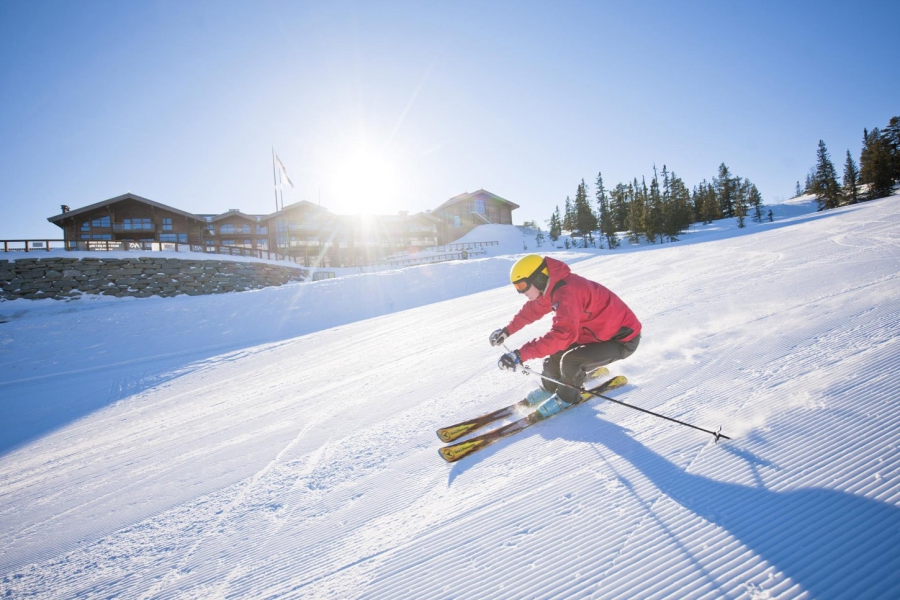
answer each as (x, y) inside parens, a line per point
(365, 181)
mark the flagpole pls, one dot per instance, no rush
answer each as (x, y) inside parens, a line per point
(274, 179)
(277, 216)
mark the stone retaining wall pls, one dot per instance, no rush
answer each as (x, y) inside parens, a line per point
(64, 278)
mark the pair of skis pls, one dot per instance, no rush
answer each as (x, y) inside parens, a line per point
(455, 452)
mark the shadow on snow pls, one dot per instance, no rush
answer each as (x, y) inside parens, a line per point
(833, 544)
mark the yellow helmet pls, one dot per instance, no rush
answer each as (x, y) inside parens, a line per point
(529, 270)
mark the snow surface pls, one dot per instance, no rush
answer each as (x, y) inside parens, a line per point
(280, 442)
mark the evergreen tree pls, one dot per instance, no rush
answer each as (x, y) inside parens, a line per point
(607, 221)
(740, 201)
(798, 191)
(697, 203)
(618, 206)
(653, 217)
(875, 165)
(725, 191)
(555, 225)
(707, 204)
(568, 223)
(756, 204)
(635, 222)
(825, 185)
(679, 214)
(585, 219)
(892, 136)
(851, 180)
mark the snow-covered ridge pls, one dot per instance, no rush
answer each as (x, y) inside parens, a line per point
(280, 443)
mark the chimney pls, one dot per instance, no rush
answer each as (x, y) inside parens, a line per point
(64, 207)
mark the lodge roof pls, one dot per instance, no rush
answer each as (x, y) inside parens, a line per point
(129, 196)
(296, 205)
(235, 213)
(469, 196)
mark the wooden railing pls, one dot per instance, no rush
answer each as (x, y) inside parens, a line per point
(460, 246)
(32, 245)
(434, 258)
(119, 245)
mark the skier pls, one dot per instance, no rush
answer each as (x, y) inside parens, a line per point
(592, 327)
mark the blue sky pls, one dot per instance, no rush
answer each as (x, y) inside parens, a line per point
(388, 106)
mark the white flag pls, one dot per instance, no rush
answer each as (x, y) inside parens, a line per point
(284, 172)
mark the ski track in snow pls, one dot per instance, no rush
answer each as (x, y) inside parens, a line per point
(305, 466)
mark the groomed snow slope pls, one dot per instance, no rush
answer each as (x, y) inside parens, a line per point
(281, 443)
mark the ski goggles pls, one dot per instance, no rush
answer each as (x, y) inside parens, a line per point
(522, 285)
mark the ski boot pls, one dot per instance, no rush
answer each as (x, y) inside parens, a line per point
(537, 396)
(551, 406)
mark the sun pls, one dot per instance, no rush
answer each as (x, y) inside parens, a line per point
(365, 180)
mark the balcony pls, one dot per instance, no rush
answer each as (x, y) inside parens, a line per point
(120, 227)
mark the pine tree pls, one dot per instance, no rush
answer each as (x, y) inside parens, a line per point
(740, 201)
(798, 191)
(568, 223)
(555, 225)
(875, 165)
(725, 191)
(585, 219)
(706, 203)
(653, 217)
(756, 204)
(618, 206)
(825, 185)
(892, 136)
(607, 221)
(851, 180)
(679, 213)
(635, 223)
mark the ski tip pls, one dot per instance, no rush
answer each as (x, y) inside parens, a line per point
(462, 449)
(449, 456)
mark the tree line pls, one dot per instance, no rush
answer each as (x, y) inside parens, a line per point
(658, 212)
(879, 168)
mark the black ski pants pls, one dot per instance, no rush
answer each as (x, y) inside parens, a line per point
(573, 364)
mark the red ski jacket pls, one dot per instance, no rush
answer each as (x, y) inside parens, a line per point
(585, 312)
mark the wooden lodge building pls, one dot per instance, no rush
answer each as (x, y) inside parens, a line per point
(306, 231)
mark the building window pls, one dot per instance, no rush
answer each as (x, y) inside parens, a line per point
(457, 222)
(231, 228)
(173, 237)
(140, 224)
(478, 207)
(262, 230)
(101, 222)
(167, 224)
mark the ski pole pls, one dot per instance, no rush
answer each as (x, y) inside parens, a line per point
(716, 434)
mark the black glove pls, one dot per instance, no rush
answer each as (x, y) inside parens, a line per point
(509, 361)
(499, 336)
